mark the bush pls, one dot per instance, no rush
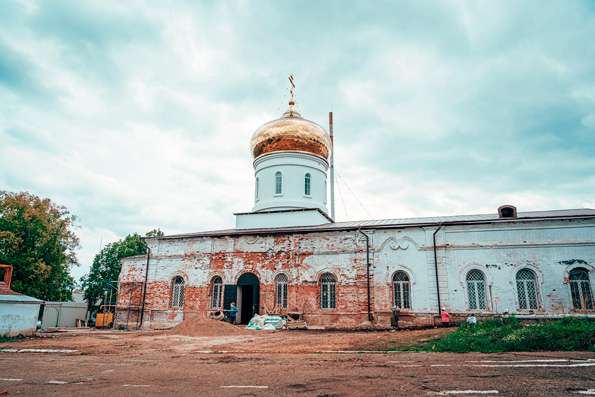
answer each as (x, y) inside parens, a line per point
(509, 334)
(7, 339)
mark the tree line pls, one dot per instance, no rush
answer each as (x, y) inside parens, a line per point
(38, 238)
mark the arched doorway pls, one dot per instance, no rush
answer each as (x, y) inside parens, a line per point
(248, 296)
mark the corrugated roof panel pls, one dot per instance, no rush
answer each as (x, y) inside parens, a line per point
(587, 212)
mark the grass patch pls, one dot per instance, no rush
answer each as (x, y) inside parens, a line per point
(4, 339)
(396, 346)
(509, 334)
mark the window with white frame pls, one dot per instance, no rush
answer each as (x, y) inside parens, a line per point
(256, 189)
(526, 284)
(476, 289)
(401, 290)
(177, 292)
(307, 184)
(328, 291)
(281, 290)
(580, 289)
(278, 182)
(216, 292)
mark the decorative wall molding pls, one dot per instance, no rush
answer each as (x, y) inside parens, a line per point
(398, 244)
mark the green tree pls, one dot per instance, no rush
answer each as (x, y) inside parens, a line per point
(106, 266)
(36, 237)
(154, 233)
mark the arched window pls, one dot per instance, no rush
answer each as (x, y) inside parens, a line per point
(278, 182)
(476, 289)
(257, 188)
(177, 292)
(401, 289)
(526, 284)
(281, 290)
(328, 291)
(307, 183)
(580, 289)
(507, 211)
(216, 292)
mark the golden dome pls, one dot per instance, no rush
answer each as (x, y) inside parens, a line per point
(291, 133)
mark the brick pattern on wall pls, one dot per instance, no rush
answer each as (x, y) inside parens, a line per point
(551, 248)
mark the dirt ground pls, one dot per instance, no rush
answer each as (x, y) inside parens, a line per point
(285, 363)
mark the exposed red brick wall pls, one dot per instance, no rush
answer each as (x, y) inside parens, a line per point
(282, 253)
(130, 294)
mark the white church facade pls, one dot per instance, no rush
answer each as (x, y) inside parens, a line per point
(288, 256)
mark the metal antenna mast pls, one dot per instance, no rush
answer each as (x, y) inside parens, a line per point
(330, 128)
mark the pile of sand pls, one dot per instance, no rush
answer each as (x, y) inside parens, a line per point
(196, 326)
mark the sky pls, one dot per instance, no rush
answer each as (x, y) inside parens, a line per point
(137, 115)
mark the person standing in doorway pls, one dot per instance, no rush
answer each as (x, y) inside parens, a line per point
(233, 311)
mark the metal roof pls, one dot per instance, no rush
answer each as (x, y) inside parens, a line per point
(18, 298)
(399, 223)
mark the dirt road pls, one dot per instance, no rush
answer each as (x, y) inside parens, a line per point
(280, 364)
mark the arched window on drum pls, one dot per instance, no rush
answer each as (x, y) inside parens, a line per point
(177, 292)
(580, 289)
(476, 290)
(401, 290)
(307, 184)
(278, 182)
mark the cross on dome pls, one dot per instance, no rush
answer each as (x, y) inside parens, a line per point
(291, 94)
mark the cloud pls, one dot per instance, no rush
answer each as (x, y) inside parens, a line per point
(138, 115)
(17, 75)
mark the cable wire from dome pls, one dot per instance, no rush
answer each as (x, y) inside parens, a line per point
(342, 199)
(354, 195)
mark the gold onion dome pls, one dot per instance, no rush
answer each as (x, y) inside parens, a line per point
(291, 133)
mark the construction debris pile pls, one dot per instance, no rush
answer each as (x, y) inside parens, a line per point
(267, 322)
(198, 326)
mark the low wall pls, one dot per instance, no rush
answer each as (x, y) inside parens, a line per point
(161, 319)
(406, 320)
(18, 318)
(62, 314)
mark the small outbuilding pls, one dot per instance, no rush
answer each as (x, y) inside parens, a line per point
(18, 312)
(63, 314)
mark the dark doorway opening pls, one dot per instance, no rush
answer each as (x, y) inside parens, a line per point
(229, 295)
(248, 295)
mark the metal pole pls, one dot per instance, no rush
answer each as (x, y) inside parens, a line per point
(58, 315)
(110, 305)
(330, 127)
(370, 318)
(128, 314)
(142, 310)
(436, 270)
(140, 297)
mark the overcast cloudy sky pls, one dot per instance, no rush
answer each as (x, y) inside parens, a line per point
(138, 115)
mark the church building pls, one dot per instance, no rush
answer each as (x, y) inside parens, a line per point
(288, 255)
